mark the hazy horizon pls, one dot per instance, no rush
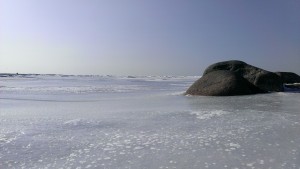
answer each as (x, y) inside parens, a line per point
(134, 37)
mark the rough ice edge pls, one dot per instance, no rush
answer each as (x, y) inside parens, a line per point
(77, 89)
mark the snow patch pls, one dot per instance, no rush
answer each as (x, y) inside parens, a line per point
(204, 115)
(74, 122)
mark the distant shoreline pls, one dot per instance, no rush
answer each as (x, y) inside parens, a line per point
(82, 75)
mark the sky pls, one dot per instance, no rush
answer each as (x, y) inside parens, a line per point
(147, 37)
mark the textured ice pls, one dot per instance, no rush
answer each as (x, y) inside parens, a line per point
(209, 114)
(55, 121)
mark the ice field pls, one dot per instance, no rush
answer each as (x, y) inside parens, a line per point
(110, 122)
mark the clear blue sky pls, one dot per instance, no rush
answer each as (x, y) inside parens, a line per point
(147, 37)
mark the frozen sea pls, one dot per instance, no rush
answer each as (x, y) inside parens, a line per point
(111, 122)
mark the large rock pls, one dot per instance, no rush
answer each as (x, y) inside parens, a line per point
(264, 80)
(222, 83)
(288, 77)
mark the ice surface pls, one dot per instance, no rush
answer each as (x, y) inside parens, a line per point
(209, 114)
(54, 121)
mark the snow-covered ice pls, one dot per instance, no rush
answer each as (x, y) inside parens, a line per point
(54, 121)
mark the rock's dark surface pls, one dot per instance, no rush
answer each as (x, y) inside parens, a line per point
(293, 86)
(288, 77)
(265, 80)
(239, 78)
(222, 83)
